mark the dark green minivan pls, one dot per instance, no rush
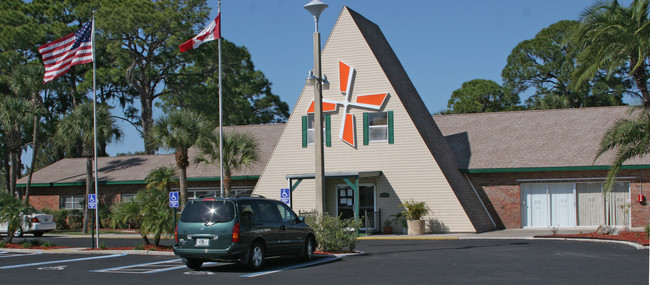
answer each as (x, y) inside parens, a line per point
(240, 229)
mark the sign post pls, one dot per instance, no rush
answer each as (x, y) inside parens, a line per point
(92, 205)
(173, 203)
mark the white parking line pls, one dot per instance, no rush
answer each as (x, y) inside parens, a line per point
(148, 268)
(13, 254)
(324, 260)
(61, 261)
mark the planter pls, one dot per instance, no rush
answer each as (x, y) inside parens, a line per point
(415, 227)
(388, 229)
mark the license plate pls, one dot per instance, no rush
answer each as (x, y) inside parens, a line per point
(202, 242)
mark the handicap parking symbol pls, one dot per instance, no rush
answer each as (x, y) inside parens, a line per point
(173, 199)
(285, 196)
(92, 201)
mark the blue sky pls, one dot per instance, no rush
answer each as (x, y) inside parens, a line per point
(441, 44)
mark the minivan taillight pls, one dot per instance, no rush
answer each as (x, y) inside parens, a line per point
(176, 234)
(235, 233)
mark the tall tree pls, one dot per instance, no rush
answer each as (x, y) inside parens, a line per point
(247, 96)
(144, 46)
(27, 82)
(180, 130)
(481, 95)
(76, 131)
(239, 151)
(545, 64)
(15, 116)
(611, 37)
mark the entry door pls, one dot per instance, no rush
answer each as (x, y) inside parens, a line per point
(562, 205)
(345, 197)
(535, 205)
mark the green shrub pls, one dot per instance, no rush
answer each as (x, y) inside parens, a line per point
(414, 210)
(35, 242)
(334, 234)
(139, 247)
(75, 218)
(26, 244)
(3, 244)
(48, 244)
(102, 245)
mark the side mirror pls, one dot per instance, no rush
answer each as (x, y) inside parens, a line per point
(301, 219)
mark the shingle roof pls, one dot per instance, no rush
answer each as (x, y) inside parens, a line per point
(532, 139)
(135, 168)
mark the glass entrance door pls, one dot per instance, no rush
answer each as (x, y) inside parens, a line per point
(345, 203)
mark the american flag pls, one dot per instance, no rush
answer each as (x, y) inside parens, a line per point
(61, 54)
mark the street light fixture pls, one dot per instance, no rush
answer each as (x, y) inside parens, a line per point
(316, 7)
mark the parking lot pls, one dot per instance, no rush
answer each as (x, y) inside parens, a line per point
(381, 262)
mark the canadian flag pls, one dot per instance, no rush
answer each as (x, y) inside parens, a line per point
(210, 33)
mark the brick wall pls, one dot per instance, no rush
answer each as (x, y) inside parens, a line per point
(501, 192)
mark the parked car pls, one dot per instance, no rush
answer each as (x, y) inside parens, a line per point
(240, 229)
(34, 222)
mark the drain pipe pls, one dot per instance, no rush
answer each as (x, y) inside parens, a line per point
(480, 200)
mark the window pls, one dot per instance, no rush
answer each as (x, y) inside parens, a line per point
(127, 197)
(208, 212)
(287, 215)
(308, 130)
(378, 127)
(268, 211)
(72, 202)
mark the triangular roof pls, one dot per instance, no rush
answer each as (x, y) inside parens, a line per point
(358, 42)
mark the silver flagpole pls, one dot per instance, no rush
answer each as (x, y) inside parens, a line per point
(220, 110)
(95, 133)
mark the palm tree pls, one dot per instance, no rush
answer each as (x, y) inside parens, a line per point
(239, 150)
(26, 82)
(10, 209)
(162, 178)
(180, 130)
(15, 115)
(76, 130)
(630, 138)
(611, 37)
(126, 213)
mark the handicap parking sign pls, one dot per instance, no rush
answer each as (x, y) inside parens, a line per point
(173, 199)
(92, 201)
(285, 196)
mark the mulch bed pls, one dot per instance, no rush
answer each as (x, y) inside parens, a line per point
(637, 237)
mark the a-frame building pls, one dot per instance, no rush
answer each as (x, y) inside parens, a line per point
(382, 146)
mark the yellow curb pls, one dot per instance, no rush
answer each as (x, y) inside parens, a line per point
(407, 238)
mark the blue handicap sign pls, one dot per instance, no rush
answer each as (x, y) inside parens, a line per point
(92, 201)
(173, 199)
(285, 196)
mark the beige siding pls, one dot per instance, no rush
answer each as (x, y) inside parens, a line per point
(409, 170)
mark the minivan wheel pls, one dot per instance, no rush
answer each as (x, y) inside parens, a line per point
(308, 249)
(192, 263)
(256, 256)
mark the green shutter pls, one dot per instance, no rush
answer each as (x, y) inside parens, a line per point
(328, 130)
(366, 132)
(304, 131)
(391, 133)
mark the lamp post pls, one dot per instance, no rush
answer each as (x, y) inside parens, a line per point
(316, 7)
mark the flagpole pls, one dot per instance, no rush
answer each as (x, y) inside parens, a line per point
(220, 112)
(95, 133)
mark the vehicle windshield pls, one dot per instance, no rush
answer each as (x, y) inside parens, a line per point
(208, 212)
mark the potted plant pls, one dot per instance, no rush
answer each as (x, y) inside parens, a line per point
(388, 226)
(414, 211)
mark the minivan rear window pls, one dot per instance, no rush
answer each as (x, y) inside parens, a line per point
(208, 212)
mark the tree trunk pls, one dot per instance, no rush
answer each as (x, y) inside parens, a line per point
(7, 167)
(89, 186)
(13, 173)
(146, 104)
(227, 183)
(640, 79)
(34, 152)
(182, 177)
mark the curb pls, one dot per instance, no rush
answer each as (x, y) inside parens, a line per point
(88, 251)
